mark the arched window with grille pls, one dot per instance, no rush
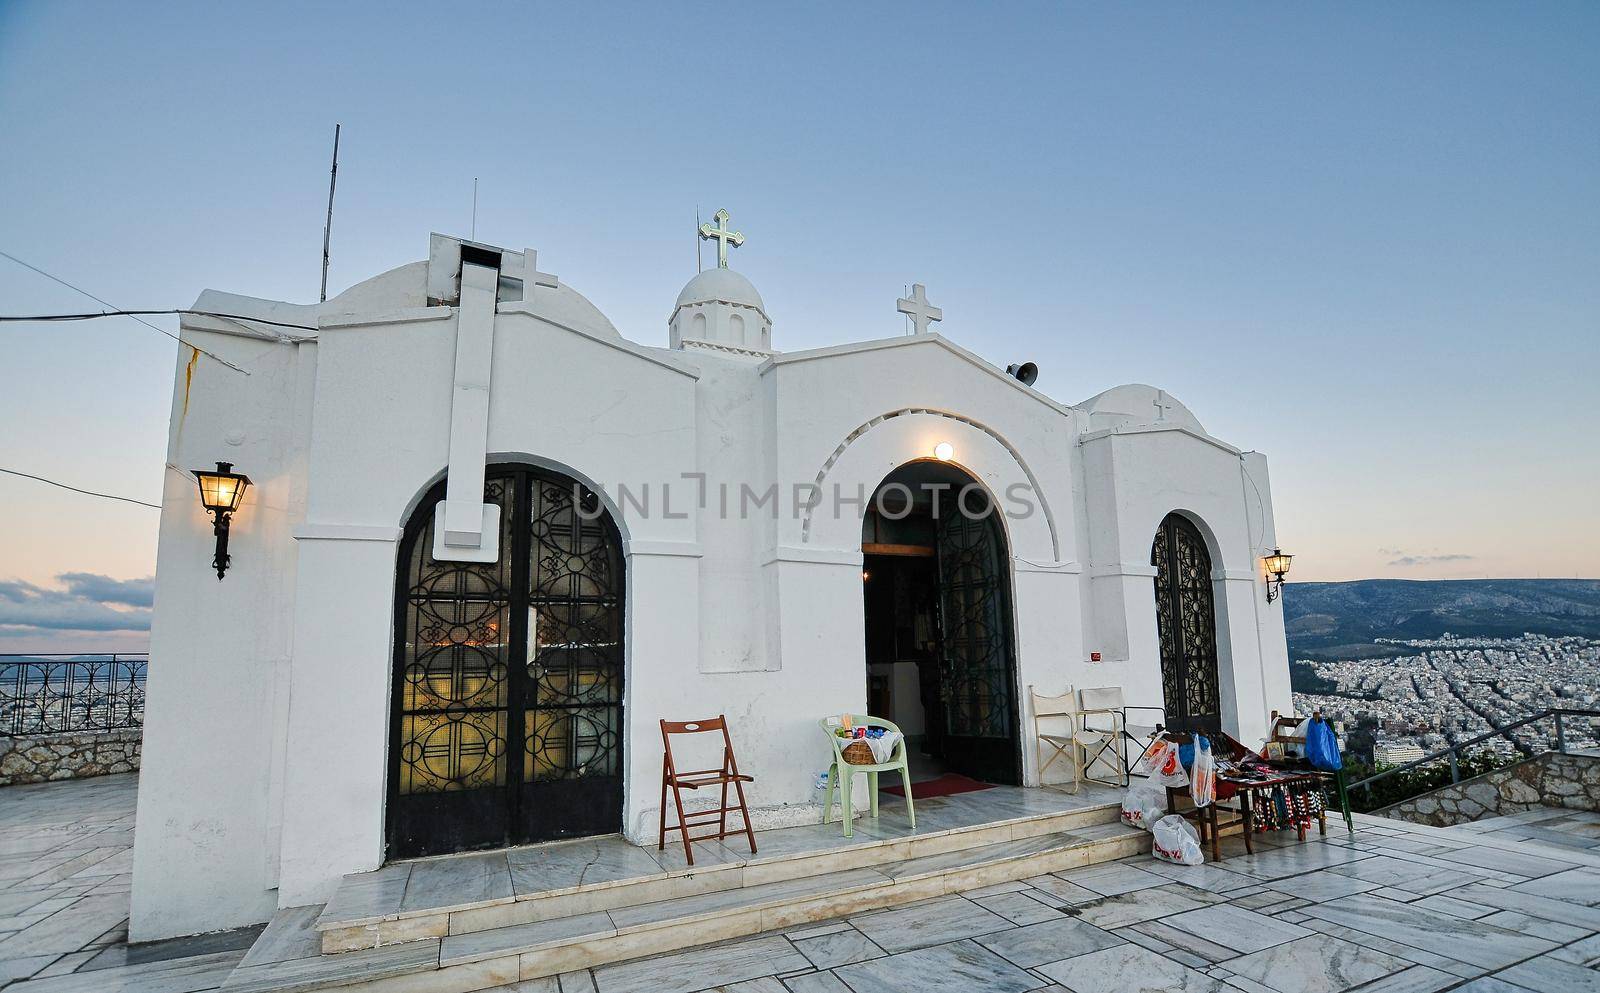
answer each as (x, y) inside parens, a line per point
(1187, 625)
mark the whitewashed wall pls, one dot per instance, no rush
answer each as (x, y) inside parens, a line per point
(266, 765)
(205, 845)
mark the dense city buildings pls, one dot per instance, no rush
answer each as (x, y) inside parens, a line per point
(1450, 689)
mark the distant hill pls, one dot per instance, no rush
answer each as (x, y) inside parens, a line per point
(1340, 620)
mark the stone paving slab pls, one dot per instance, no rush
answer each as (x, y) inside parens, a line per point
(1394, 908)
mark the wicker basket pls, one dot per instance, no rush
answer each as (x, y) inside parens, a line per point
(858, 753)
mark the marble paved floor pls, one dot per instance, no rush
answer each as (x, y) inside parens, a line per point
(66, 861)
(1545, 825)
(461, 880)
(1394, 908)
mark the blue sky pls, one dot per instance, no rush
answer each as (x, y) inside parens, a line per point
(1362, 238)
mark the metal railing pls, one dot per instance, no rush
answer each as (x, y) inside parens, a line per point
(51, 694)
(1453, 753)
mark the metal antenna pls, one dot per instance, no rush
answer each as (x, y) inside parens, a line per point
(474, 235)
(327, 228)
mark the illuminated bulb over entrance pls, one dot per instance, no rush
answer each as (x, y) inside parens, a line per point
(944, 451)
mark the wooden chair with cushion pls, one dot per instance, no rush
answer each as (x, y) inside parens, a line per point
(724, 776)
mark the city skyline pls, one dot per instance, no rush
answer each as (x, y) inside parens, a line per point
(1137, 196)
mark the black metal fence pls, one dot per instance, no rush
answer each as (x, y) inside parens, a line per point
(49, 694)
(1558, 716)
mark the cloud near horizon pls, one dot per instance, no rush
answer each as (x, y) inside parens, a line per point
(1409, 561)
(90, 602)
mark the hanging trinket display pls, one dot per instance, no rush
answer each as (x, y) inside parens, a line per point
(1294, 806)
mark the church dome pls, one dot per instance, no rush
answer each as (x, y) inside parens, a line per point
(722, 311)
(720, 286)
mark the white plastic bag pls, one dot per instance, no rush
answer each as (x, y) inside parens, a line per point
(1203, 774)
(1143, 804)
(1161, 761)
(1176, 840)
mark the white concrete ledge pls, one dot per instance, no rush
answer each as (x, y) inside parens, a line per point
(345, 532)
(1235, 575)
(1052, 568)
(1133, 569)
(401, 315)
(1134, 429)
(679, 549)
(815, 556)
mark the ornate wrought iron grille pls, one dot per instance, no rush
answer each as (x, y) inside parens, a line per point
(454, 694)
(51, 694)
(507, 702)
(574, 659)
(977, 682)
(1186, 625)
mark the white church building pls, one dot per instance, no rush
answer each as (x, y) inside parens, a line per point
(490, 542)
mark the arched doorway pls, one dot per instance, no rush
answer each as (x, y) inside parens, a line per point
(938, 621)
(1187, 624)
(506, 723)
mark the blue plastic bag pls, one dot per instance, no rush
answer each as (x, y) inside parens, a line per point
(1322, 746)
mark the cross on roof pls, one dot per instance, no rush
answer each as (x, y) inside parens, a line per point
(1164, 403)
(722, 236)
(921, 312)
(531, 276)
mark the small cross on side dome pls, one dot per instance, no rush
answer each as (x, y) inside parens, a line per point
(722, 236)
(917, 307)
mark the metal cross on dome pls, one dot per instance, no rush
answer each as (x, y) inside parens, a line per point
(722, 236)
(920, 311)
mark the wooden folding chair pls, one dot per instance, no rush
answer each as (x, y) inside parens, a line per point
(693, 780)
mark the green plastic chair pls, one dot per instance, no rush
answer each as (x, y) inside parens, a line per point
(842, 773)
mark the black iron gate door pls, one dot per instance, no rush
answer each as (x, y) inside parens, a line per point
(978, 684)
(1187, 625)
(506, 723)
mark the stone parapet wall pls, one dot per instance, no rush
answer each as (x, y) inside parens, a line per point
(1548, 780)
(74, 755)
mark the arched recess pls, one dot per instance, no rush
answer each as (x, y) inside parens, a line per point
(1186, 624)
(852, 440)
(506, 700)
(938, 598)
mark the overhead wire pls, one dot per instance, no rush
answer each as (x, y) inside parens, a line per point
(133, 314)
(77, 489)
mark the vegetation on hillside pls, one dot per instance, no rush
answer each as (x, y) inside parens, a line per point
(1328, 621)
(1413, 782)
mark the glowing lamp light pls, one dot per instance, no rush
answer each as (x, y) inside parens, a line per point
(1277, 565)
(944, 451)
(221, 492)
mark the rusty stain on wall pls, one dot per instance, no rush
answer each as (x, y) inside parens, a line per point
(188, 378)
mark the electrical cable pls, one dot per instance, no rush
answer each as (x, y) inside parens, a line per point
(103, 496)
(91, 296)
(136, 313)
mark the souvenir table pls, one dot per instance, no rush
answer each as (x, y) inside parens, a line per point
(1258, 785)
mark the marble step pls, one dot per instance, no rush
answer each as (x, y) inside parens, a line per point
(481, 959)
(435, 898)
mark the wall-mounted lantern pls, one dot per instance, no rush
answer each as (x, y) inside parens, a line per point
(221, 492)
(1277, 567)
